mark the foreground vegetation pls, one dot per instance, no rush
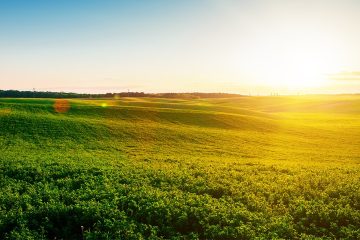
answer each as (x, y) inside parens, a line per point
(148, 168)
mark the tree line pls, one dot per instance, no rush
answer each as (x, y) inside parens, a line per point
(41, 94)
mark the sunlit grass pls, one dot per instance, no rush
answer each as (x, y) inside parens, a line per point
(243, 168)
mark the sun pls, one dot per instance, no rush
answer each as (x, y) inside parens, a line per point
(295, 61)
(297, 68)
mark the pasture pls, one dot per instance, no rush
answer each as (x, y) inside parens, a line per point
(284, 167)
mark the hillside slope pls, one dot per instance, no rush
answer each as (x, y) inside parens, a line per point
(147, 168)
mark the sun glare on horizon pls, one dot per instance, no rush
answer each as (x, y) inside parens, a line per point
(294, 60)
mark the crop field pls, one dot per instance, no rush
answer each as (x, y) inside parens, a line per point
(281, 167)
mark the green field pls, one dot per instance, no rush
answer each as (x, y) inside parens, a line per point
(149, 168)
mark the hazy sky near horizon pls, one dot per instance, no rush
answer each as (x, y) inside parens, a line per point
(175, 46)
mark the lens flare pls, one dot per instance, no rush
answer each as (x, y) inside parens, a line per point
(61, 106)
(5, 111)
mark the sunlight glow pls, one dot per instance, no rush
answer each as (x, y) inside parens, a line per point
(294, 59)
(298, 68)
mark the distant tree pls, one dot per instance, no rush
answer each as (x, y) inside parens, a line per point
(39, 94)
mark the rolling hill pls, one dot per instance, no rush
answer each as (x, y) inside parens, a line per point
(153, 168)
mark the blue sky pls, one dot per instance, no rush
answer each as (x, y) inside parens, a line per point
(197, 45)
(78, 20)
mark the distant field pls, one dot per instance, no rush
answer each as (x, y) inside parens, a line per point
(148, 168)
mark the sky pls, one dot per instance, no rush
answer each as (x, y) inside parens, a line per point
(235, 46)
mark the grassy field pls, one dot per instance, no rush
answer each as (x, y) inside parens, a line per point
(147, 168)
